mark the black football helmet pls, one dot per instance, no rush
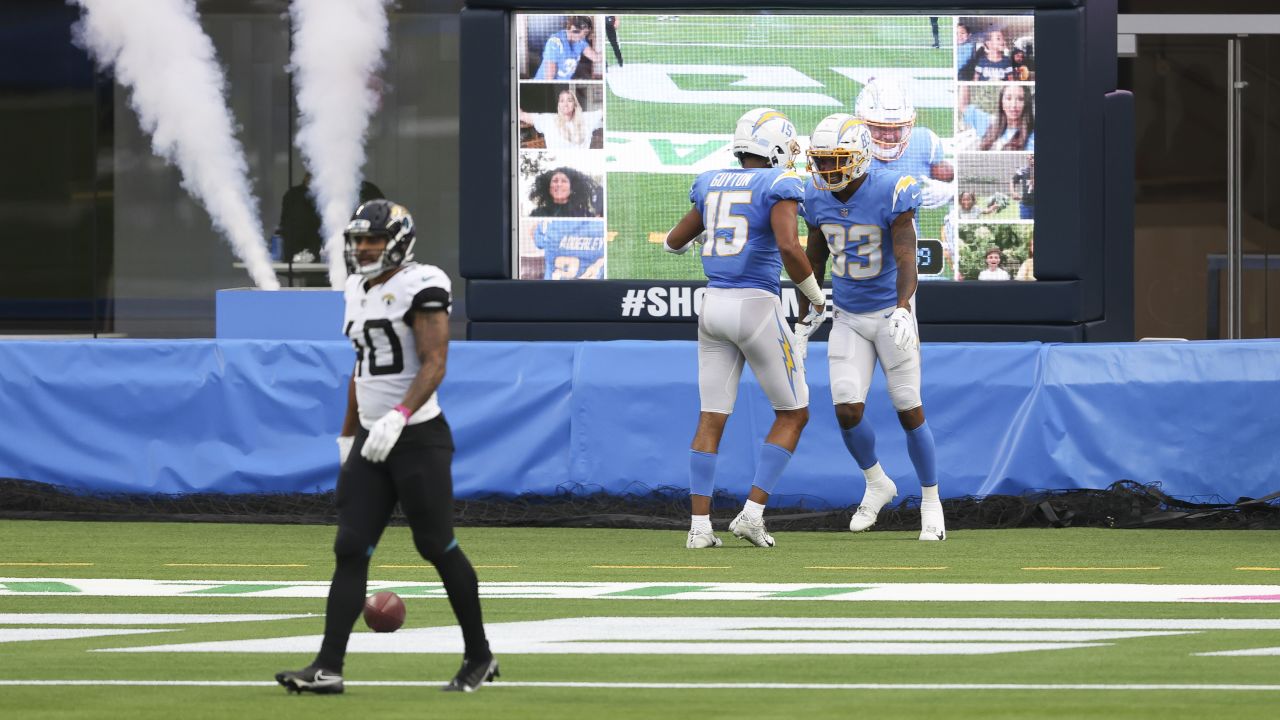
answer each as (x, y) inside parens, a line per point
(380, 218)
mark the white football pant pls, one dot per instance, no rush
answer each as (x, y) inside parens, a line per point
(739, 324)
(857, 341)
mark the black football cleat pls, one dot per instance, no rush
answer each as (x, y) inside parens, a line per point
(311, 679)
(472, 675)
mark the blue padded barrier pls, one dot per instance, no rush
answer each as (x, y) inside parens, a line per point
(259, 416)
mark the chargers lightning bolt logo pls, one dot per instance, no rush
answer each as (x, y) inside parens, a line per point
(787, 358)
(904, 183)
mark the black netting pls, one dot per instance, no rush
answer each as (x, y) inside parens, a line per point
(1125, 504)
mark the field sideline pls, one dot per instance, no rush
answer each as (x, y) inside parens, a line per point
(809, 638)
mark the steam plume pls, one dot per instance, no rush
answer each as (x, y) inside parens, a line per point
(337, 49)
(159, 52)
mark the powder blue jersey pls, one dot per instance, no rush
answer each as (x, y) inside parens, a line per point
(740, 250)
(924, 150)
(563, 53)
(864, 274)
(574, 248)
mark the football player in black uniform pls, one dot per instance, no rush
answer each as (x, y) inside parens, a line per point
(395, 444)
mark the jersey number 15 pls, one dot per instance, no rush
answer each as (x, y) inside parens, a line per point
(718, 216)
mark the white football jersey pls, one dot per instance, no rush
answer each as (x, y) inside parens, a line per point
(378, 321)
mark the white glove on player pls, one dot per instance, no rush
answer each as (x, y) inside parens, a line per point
(344, 448)
(383, 436)
(935, 193)
(902, 328)
(804, 328)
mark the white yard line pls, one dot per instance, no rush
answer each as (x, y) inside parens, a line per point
(689, 590)
(672, 686)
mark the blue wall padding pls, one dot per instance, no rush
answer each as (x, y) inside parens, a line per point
(285, 314)
(259, 416)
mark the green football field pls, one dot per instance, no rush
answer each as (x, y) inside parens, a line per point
(160, 620)
(804, 55)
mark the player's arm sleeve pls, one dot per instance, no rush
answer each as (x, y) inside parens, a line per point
(787, 186)
(434, 297)
(697, 191)
(906, 196)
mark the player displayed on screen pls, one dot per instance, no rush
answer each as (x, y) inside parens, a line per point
(897, 144)
(644, 129)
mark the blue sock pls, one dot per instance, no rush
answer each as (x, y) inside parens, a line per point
(773, 460)
(861, 442)
(702, 473)
(920, 448)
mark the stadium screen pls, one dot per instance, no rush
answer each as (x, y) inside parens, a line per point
(615, 115)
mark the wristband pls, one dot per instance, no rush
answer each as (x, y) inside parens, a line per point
(675, 251)
(809, 286)
(406, 412)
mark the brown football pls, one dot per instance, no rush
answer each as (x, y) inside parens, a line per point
(942, 171)
(384, 612)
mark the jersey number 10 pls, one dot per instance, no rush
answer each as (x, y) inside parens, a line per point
(371, 348)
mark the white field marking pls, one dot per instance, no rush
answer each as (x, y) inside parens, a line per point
(768, 85)
(893, 687)
(8, 635)
(725, 636)
(691, 590)
(133, 618)
(1252, 652)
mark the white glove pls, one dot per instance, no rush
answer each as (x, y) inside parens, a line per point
(902, 328)
(382, 436)
(935, 193)
(344, 448)
(804, 328)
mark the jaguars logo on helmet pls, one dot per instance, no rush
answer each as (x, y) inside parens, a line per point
(380, 218)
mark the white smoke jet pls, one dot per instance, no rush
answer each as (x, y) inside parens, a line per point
(337, 49)
(159, 52)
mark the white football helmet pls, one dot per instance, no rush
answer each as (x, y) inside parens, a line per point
(769, 134)
(884, 106)
(839, 152)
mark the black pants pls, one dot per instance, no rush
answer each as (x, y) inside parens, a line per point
(611, 32)
(418, 475)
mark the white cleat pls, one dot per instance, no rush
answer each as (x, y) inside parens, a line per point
(751, 530)
(932, 524)
(877, 494)
(698, 540)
